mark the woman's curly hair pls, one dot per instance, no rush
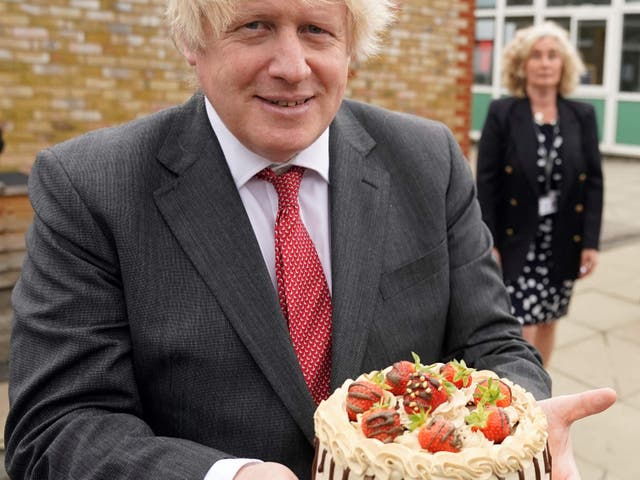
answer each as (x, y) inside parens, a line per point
(517, 52)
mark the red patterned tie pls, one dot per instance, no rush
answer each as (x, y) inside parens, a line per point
(302, 287)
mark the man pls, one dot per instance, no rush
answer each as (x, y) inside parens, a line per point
(150, 337)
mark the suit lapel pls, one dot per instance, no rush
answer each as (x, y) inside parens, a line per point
(571, 149)
(203, 208)
(524, 138)
(359, 192)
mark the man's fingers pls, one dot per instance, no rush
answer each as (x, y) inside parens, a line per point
(580, 405)
(264, 471)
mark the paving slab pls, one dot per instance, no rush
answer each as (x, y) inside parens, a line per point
(603, 444)
(629, 331)
(569, 333)
(601, 361)
(601, 311)
(633, 401)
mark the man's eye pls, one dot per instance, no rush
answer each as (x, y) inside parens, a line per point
(253, 25)
(315, 29)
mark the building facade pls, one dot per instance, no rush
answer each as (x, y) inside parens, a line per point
(607, 35)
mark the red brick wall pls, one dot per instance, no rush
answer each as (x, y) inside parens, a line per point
(68, 66)
(425, 67)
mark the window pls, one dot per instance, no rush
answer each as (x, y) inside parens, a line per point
(513, 24)
(630, 62)
(483, 51)
(513, 3)
(485, 3)
(591, 37)
(563, 3)
(564, 22)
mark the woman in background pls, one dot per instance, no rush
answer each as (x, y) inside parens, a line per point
(540, 180)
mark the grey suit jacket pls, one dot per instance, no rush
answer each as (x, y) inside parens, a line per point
(148, 342)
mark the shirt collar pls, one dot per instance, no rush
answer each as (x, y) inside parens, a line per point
(244, 164)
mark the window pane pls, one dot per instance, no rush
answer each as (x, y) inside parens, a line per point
(561, 3)
(564, 22)
(513, 3)
(630, 64)
(512, 24)
(483, 51)
(486, 4)
(591, 36)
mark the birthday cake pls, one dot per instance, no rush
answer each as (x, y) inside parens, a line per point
(430, 422)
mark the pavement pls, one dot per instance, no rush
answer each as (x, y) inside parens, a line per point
(598, 343)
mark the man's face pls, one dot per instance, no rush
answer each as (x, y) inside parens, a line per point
(277, 75)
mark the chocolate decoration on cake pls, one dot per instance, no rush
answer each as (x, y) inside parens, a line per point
(358, 447)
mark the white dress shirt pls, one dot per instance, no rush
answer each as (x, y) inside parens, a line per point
(261, 203)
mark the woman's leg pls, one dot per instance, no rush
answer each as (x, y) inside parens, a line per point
(543, 337)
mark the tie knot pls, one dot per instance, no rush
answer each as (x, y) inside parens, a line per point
(287, 184)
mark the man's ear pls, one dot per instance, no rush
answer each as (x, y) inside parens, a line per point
(190, 54)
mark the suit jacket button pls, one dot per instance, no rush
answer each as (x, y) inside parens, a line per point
(508, 169)
(577, 238)
(509, 232)
(582, 177)
(579, 208)
(513, 202)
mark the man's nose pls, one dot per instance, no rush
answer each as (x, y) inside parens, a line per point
(289, 58)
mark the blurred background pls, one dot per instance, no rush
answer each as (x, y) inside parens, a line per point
(70, 66)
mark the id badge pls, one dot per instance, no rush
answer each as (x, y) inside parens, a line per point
(548, 204)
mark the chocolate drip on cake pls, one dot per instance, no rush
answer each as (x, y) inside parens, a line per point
(546, 454)
(314, 465)
(319, 467)
(322, 459)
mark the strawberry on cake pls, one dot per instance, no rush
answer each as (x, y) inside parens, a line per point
(430, 422)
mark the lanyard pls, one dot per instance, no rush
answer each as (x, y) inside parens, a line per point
(551, 154)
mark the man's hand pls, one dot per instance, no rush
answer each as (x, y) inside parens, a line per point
(265, 471)
(561, 412)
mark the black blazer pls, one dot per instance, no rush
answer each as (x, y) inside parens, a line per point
(508, 190)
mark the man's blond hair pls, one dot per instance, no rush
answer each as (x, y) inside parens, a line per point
(188, 20)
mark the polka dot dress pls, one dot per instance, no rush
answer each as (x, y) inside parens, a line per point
(535, 298)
